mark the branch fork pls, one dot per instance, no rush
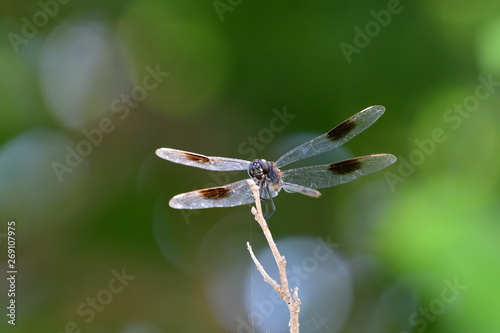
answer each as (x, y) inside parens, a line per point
(290, 297)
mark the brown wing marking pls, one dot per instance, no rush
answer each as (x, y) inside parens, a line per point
(346, 167)
(341, 130)
(215, 193)
(196, 157)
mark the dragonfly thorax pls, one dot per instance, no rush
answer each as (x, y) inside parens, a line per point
(258, 169)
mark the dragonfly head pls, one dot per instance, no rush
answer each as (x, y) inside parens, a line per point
(258, 169)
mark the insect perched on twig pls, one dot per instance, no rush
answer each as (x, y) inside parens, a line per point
(269, 177)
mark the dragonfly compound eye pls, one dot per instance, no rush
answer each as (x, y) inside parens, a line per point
(258, 169)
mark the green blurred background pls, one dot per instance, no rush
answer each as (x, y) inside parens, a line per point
(246, 79)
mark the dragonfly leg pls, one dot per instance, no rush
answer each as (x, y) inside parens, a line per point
(268, 199)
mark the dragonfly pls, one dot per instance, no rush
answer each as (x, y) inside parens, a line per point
(268, 175)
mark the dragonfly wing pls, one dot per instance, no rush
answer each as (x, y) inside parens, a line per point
(202, 161)
(294, 188)
(337, 136)
(234, 194)
(328, 175)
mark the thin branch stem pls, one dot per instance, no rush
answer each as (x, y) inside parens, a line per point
(292, 299)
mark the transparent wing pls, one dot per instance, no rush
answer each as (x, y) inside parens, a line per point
(202, 161)
(234, 194)
(339, 135)
(294, 188)
(327, 175)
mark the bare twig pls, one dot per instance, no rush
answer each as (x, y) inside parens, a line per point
(292, 299)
